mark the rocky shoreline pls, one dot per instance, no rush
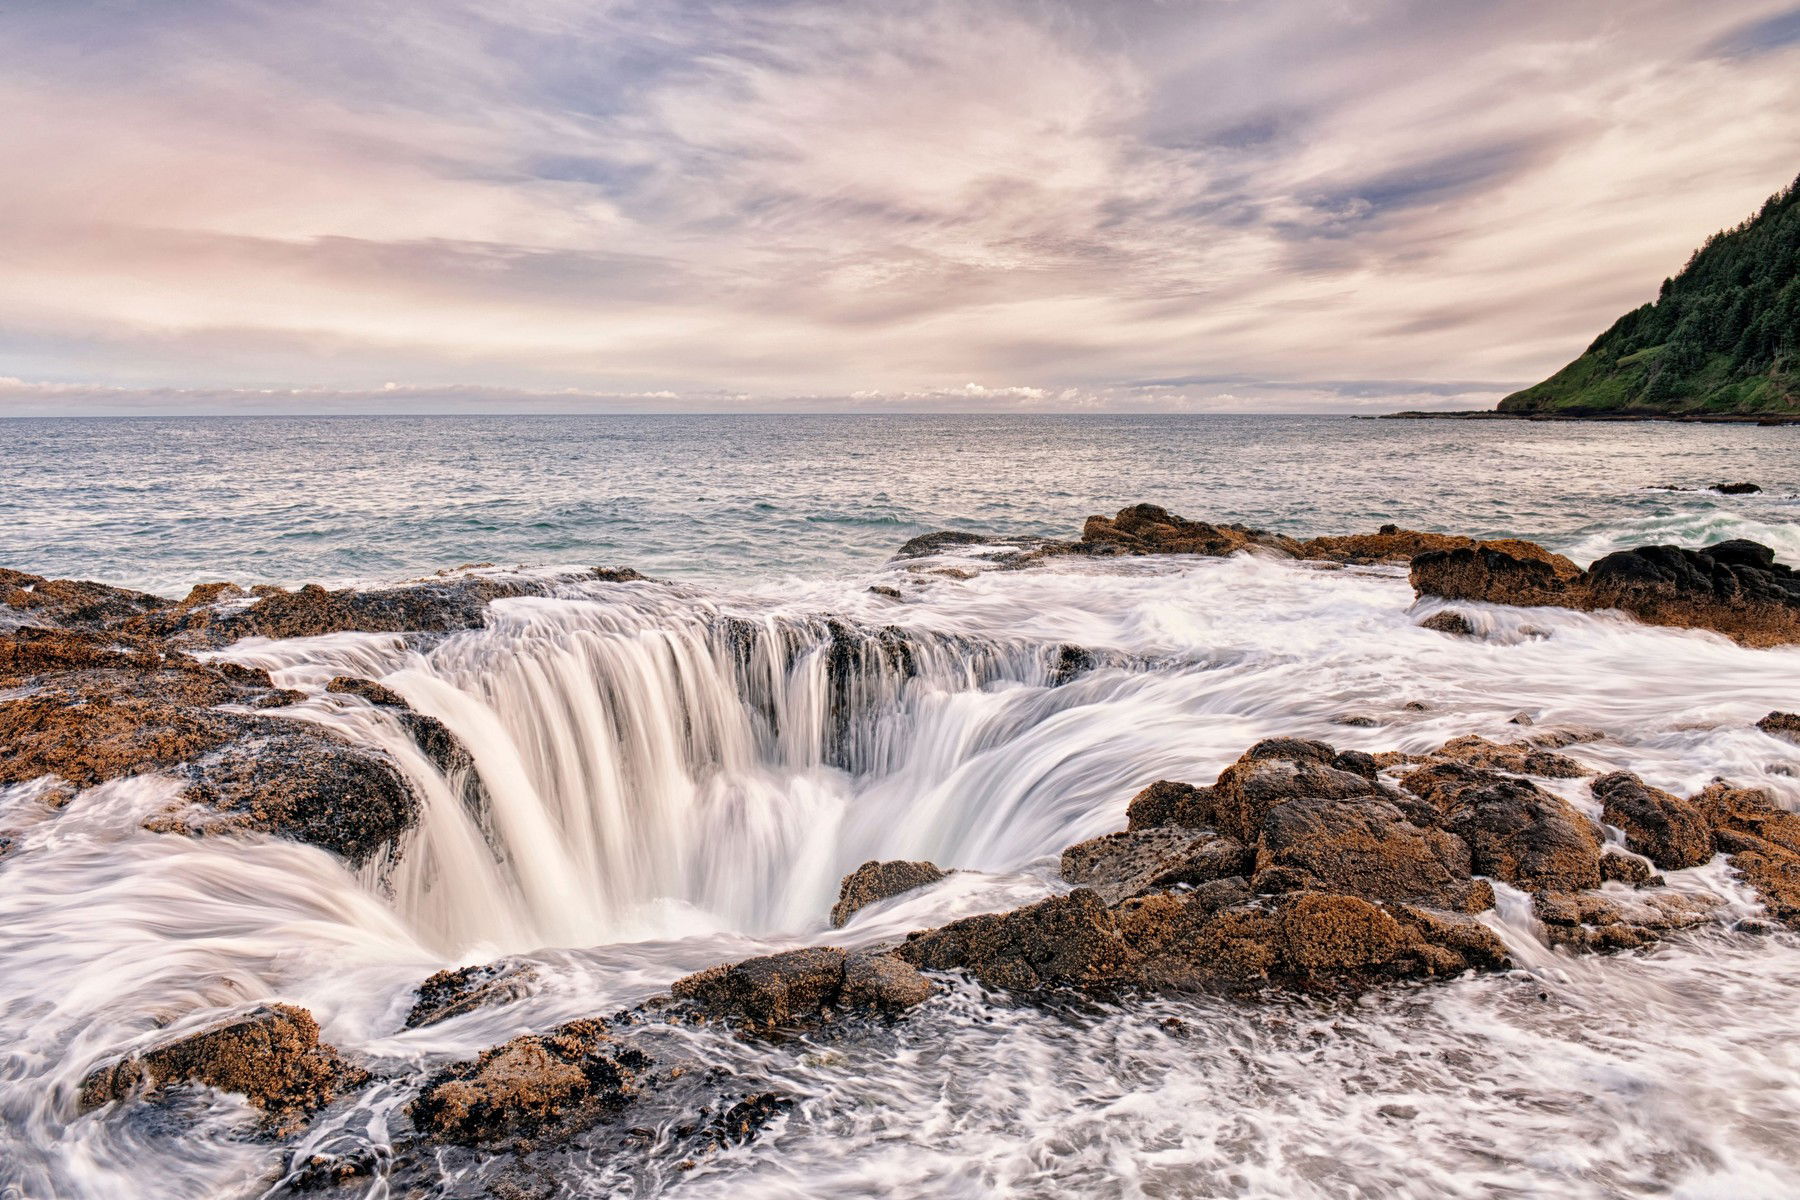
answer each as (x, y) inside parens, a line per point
(1301, 869)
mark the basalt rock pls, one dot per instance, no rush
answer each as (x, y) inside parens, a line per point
(451, 993)
(1169, 803)
(875, 881)
(1148, 529)
(1763, 840)
(1669, 831)
(68, 603)
(1118, 866)
(799, 987)
(1516, 831)
(1364, 847)
(1735, 588)
(443, 748)
(1781, 724)
(534, 1086)
(1519, 758)
(1736, 489)
(272, 1057)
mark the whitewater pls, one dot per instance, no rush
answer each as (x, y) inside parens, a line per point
(678, 773)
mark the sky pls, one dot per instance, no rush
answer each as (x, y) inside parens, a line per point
(932, 205)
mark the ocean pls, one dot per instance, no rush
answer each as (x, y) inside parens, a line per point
(663, 797)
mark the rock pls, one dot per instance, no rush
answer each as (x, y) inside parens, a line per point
(1121, 865)
(1516, 831)
(1062, 941)
(271, 1056)
(1599, 922)
(1277, 770)
(928, 544)
(882, 590)
(1781, 724)
(443, 748)
(1449, 621)
(1147, 529)
(875, 881)
(451, 993)
(1736, 489)
(532, 1086)
(1519, 758)
(1364, 847)
(1735, 587)
(1168, 803)
(796, 987)
(1763, 840)
(1391, 544)
(70, 603)
(743, 1121)
(1627, 869)
(1070, 662)
(1666, 829)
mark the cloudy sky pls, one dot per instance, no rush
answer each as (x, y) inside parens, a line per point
(378, 205)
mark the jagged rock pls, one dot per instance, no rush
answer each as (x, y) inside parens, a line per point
(743, 1121)
(1364, 847)
(532, 1086)
(1627, 869)
(443, 748)
(70, 603)
(451, 993)
(1449, 621)
(795, 987)
(885, 592)
(1392, 544)
(875, 881)
(1148, 529)
(1275, 771)
(1666, 829)
(1168, 803)
(1519, 758)
(1602, 922)
(1781, 724)
(1763, 840)
(1121, 865)
(928, 544)
(271, 1056)
(1735, 587)
(1736, 489)
(1516, 831)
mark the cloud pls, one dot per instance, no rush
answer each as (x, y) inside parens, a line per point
(820, 204)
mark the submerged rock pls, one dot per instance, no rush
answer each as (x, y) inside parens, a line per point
(1781, 724)
(1735, 588)
(1736, 489)
(451, 993)
(1603, 922)
(271, 1056)
(797, 987)
(1449, 621)
(875, 881)
(1667, 830)
(1121, 865)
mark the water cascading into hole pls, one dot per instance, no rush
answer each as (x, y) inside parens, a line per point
(665, 773)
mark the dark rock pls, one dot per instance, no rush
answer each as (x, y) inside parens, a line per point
(1666, 829)
(272, 1057)
(532, 1086)
(432, 736)
(1391, 544)
(1148, 529)
(1596, 922)
(70, 603)
(1167, 803)
(743, 1121)
(1516, 831)
(928, 544)
(1070, 662)
(1275, 771)
(1736, 489)
(878, 881)
(881, 589)
(1449, 621)
(797, 987)
(1519, 758)
(451, 993)
(1121, 865)
(1627, 869)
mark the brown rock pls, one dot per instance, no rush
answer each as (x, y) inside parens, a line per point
(534, 1085)
(882, 983)
(1121, 865)
(70, 603)
(1489, 575)
(1364, 847)
(779, 991)
(1167, 803)
(1781, 724)
(1520, 758)
(1627, 869)
(1763, 840)
(272, 1057)
(1449, 621)
(1603, 922)
(1062, 941)
(1666, 829)
(1391, 544)
(1147, 529)
(875, 881)
(1516, 831)
(1277, 770)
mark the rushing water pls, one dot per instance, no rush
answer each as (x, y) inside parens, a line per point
(678, 773)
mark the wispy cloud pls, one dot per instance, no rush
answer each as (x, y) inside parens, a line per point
(790, 204)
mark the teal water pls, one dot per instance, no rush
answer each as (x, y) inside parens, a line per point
(165, 503)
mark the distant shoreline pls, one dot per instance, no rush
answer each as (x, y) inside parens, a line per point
(1488, 414)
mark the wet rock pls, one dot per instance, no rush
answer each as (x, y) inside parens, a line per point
(797, 987)
(1355, 720)
(1763, 840)
(1148, 529)
(1628, 869)
(1666, 829)
(532, 1086)
(1449, 621)
(1275, 771)
(1392, 544)
(272, 1057)
(875, 881)
(1597, 922)
(1070, 662)
(1364, 847)
(928, 544)
(451, 993)
(1519, 758)
(746, 1119)
(69, 603)
(432, 736)
(1168, 803)
(1121, 865)
(1735, 587)
(882, 590)
(1781, 724)
(1736, 489)
(1516, 831)
(1067, 940)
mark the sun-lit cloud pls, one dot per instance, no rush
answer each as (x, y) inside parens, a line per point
(1189, 204)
